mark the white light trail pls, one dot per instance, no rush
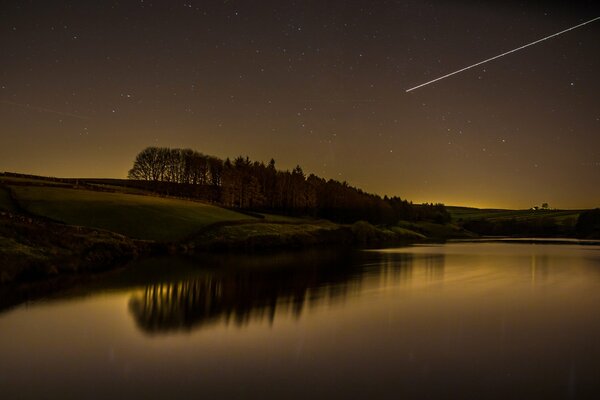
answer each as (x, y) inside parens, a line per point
(42, 109)
(503, 54)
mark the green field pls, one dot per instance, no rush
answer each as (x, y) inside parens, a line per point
(140, 217)
(467, 213)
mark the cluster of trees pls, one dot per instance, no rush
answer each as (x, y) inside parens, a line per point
(256, 186)
(161, 164)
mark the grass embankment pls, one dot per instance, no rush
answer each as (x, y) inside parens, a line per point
(295, 232)
(432, 231)
(33, 249)
(261, 234)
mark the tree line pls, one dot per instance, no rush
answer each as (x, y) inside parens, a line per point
(255, 186)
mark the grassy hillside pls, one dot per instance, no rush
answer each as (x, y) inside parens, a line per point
(167, 219)
(140, 217)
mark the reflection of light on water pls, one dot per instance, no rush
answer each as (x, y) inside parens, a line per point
(539, 268)
(533, 269)
(418, 318)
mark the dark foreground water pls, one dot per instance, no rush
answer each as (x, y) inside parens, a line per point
(455, 321)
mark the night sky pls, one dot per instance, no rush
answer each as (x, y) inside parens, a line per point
(86, 85)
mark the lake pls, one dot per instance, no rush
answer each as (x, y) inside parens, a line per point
(459, 320)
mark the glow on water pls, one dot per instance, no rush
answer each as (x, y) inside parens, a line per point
(424, 321)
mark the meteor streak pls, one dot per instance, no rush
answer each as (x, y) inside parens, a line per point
(42, 109)
(503, 54)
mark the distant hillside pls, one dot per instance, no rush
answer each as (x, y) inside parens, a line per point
(468, 213)
(499, 222)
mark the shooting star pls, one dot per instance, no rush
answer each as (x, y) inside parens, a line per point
(43, 109)
(503, 54)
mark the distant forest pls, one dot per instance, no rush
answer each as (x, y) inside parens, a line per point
(255, 186)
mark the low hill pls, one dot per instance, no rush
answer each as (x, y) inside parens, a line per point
(135, 216)
(469, 213)
(533, 222)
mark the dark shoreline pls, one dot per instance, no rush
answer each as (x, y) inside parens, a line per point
(530, 240)
(43, 250)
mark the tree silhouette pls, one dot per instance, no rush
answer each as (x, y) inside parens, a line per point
(249, 185)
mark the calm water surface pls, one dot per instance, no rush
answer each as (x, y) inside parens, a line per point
(464, 320)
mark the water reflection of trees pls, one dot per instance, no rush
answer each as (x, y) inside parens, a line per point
(434, 266)
(257, 287)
